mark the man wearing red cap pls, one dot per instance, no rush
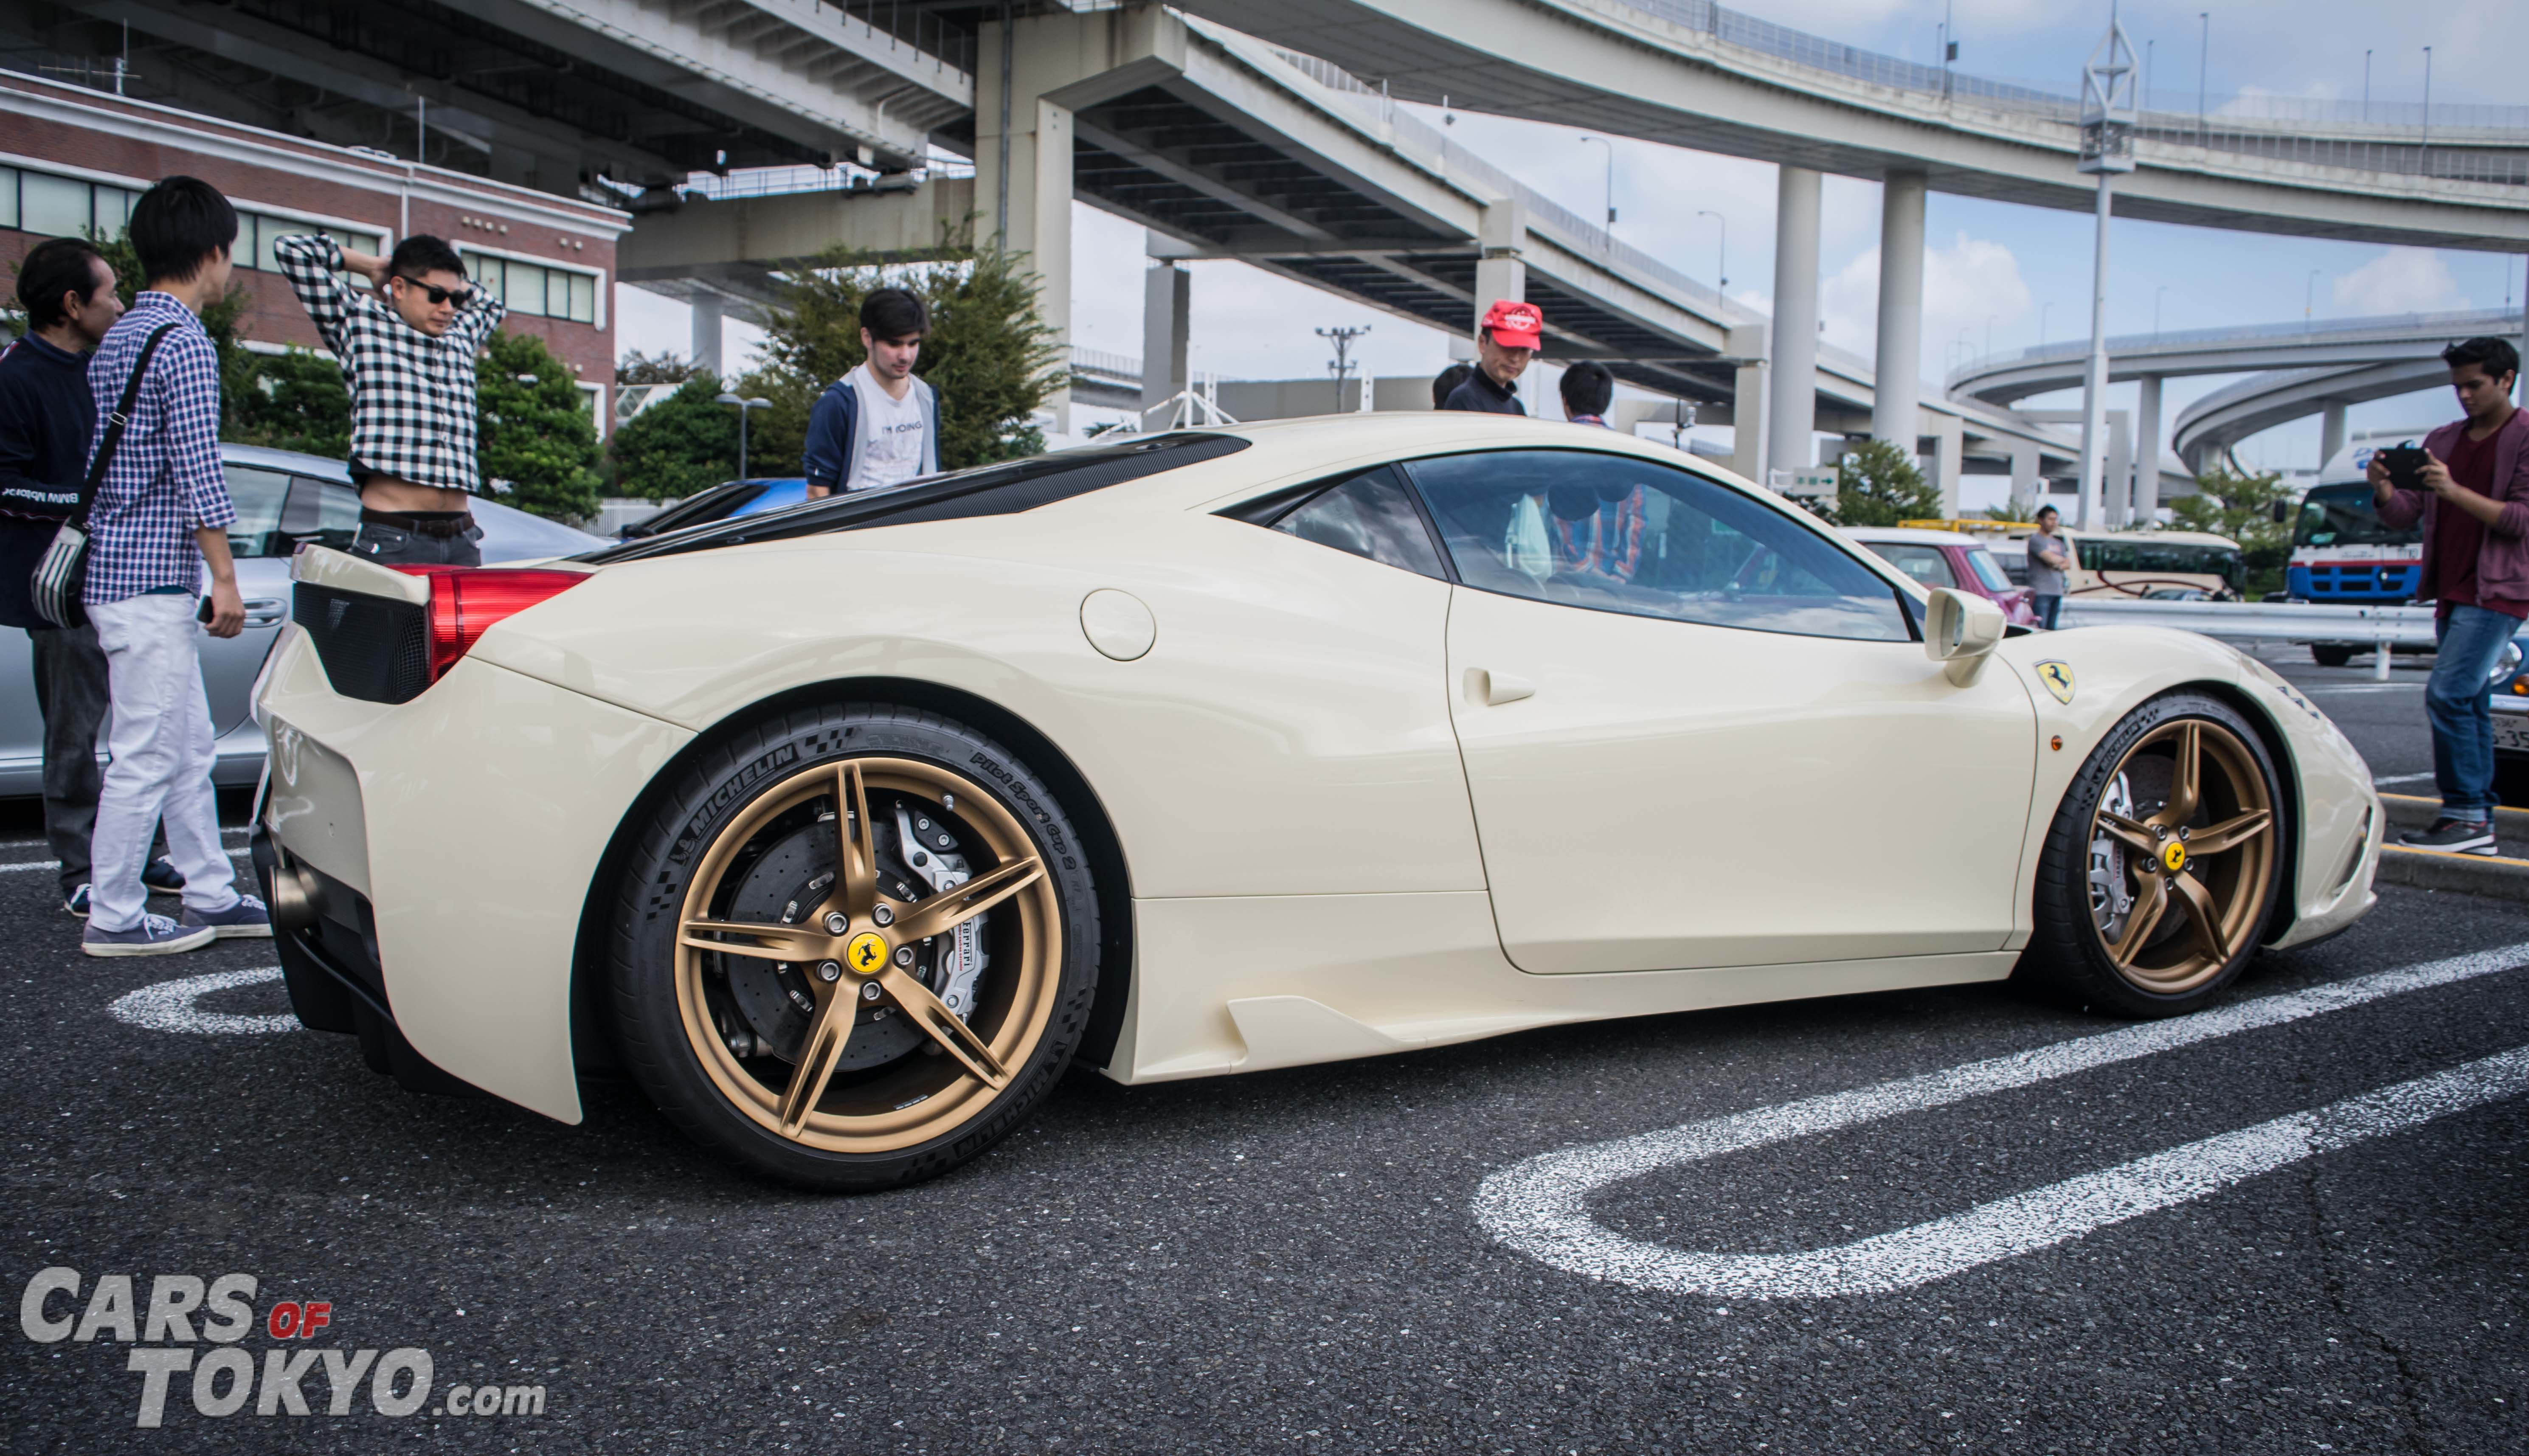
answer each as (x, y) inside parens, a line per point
(1506, 341)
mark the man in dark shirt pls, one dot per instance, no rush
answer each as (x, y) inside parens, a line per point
(1509, 338)
(2474, 506)
(47, 415)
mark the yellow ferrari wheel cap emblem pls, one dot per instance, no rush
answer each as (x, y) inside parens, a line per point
(2058, 677)
(2173, 855)
(867, 953)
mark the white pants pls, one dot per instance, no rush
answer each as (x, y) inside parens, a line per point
(160, 766)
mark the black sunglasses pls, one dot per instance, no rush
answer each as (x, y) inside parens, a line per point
(438, 296)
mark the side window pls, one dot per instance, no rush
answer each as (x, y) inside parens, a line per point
(326, 512)
(1368, 515)
(1928, 565)
(1613, 533)
(258, 496)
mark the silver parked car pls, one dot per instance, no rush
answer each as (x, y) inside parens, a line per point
(284, 499)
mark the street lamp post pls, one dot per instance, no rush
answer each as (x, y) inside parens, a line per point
(2366, 86)
(2309, 300)
(1611, 182)
(2159, 294)
(2424, 153)
(2203, 65)
(2106, 148)
(1721, 249)
(745, 407)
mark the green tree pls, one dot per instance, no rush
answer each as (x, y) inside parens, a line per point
(1876, 484)
(2243, 507)
(990, 354)
(533, 429)
(664, 367)
(681, 445)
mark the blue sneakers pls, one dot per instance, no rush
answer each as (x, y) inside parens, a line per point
(246, 918)
(76, 901)
(155, 935)
(161, 876)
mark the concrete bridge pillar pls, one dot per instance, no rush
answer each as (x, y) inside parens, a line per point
(1168, 298)
(1789, 442)
(1948, 451)
(2025, 479)
(1750, 398)
(1501, 238)
(2146, 452)
(1896, 390)
(706, 334)
(2118, 507)
(2331, 431)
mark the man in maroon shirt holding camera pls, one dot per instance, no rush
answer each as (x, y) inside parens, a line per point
(2473, 500)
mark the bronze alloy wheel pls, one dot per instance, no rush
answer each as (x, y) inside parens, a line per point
(2163, 866)
(853, 946)
(2182, 849)
(867, 941)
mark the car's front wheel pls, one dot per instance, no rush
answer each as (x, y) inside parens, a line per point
(2163, 863)
(854, 947)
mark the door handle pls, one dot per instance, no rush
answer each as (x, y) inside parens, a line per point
(266, 611)
(1492, 689)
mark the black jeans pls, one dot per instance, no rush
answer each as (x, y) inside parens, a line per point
(69, 692)
(392, 546)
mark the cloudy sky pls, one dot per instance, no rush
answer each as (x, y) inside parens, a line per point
(1997, 275)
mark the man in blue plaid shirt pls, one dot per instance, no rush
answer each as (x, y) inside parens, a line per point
(407, 355)
(160, 515)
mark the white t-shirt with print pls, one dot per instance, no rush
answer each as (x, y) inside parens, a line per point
(891, 433)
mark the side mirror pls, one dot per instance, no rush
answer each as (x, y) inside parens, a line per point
(1960, 630)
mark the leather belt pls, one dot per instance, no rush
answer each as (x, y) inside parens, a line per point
(421, 522)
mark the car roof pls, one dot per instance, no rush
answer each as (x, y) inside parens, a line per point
(1909, 535)
(284, 460)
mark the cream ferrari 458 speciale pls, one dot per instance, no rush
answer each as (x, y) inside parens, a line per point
(843, 830)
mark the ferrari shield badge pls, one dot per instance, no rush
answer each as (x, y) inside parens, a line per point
(2058, 677)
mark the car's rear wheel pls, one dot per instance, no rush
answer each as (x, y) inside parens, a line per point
(2162, 866)
(856, 946)
(2330, 657)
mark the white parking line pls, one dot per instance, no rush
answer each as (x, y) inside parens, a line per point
(169, 1005)
(1540, 1206)
(2399, 779)
(2367, 688)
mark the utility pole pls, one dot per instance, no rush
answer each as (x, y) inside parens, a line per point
(2366, 86)
(1341, 364)
(1948, 43)
(2106, 148)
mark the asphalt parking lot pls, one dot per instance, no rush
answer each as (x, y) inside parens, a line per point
(1310, 1259)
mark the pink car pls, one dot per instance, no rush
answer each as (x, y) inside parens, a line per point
(1947, 558)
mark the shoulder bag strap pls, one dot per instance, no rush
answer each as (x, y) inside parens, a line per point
(114, 425)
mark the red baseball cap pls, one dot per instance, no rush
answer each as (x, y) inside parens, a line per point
(1515, 325)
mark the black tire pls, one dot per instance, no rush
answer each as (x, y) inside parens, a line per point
(2331, 657)
(712, 793)
(2065, 957)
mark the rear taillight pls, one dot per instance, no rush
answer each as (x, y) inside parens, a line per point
(464, 602)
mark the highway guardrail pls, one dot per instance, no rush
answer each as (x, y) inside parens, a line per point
(2381, 628)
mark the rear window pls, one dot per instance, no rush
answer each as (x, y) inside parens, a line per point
(1003, 489)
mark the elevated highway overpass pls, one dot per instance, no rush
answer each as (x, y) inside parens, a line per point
(2319, 368)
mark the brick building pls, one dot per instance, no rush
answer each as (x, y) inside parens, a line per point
(73, 158)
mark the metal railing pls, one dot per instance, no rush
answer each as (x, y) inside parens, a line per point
(916, 26)
(1120, 368)
(2381, 629)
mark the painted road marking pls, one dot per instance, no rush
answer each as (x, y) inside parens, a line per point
(1540, 1206)
(2399, 779)
(169, 1005)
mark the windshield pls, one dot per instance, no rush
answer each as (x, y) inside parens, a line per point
(2343, 516)
(2147, 556)
(1988, 570)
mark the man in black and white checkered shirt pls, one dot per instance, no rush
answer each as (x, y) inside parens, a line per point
(407, 354)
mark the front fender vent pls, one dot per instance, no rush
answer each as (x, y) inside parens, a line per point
(373, 649)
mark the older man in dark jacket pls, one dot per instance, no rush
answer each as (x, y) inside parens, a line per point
(47, 415)
(2474, 506)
